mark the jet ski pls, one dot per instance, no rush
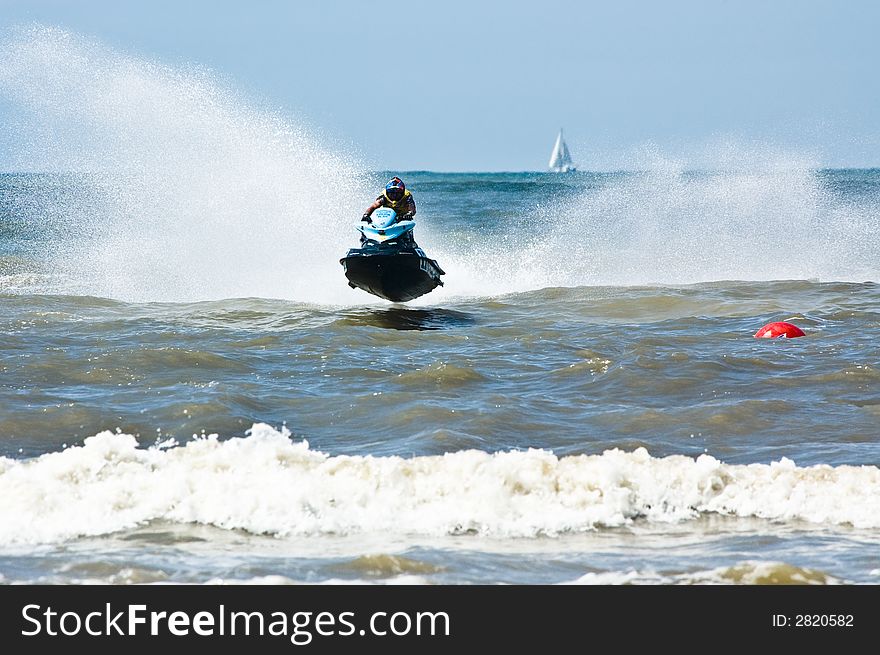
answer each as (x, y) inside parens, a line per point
(389, 264)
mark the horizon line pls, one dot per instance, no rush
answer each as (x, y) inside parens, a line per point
(410, 171)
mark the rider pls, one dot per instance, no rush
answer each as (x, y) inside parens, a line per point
(397, 198)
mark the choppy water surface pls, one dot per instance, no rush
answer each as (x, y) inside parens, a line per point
(190, 392)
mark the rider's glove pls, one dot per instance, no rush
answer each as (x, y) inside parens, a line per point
(365, 218)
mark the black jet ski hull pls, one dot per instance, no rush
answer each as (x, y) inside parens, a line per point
(395, 273)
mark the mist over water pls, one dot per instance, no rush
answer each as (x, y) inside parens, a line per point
(756, 221)
(180, 190)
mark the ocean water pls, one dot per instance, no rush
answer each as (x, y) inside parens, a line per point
(190, 392)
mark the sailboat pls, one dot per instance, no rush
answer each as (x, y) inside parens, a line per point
(560, 158)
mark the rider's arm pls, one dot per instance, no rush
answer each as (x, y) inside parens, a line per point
(376, 204)
(411, 206)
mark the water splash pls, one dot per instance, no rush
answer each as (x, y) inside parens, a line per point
(754, 213)
(182, 189)
(764, 221)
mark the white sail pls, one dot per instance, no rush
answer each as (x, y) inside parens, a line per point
(560, 158)
(556, 155)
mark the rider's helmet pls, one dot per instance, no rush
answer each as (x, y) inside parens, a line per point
(394, 189)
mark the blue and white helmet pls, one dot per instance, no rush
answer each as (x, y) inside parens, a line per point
(395, 189)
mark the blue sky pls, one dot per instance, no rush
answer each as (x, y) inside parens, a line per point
(485, 85)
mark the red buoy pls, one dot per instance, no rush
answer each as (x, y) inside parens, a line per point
(779, 329)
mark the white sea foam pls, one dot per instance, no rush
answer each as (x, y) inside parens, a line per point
(281, 580)
(747, 572)
(268, 483)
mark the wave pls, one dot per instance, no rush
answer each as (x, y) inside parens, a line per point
(268, 483)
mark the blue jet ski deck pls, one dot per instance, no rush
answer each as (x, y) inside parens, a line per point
(389, 264)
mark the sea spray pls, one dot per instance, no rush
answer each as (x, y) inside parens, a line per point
(176, 187)
(164, 184)
(751, 214)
